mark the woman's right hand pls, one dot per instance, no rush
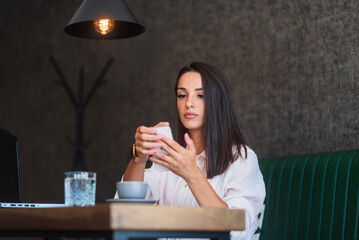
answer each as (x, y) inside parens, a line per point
(146, 140)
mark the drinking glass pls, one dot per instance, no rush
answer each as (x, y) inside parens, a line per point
(80, 188)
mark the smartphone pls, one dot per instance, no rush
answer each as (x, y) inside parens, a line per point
(166, 131)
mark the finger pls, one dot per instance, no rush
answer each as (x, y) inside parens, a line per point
(144, 151)
(170, 151)
(147, 138)
(160, 162)
(145, 130)
(162, 156)
(161, 124)
(172, 143)
(189, 142)
(149, 145)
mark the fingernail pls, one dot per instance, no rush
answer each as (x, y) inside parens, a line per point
(154, 131)
(153, 152)
(150, 158)
(159, 145)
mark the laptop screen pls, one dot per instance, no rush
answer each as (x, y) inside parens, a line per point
(9, 168)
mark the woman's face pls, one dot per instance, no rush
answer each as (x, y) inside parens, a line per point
(190, 101)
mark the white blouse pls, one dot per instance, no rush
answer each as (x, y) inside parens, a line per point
(240, 186)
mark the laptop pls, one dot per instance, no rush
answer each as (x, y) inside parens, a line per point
(10, 191)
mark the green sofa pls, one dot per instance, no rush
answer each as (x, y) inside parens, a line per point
(311, 197)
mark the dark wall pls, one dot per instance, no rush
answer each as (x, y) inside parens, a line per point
(292, 66)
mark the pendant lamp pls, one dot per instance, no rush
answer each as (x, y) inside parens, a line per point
(104, 19)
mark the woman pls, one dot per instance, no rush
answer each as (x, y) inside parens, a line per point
(211, 164)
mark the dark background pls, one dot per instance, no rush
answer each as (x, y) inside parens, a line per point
(292, 65)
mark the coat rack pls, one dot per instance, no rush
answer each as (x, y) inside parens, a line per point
(80, 104)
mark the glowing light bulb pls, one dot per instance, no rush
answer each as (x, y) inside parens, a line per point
(104, 26)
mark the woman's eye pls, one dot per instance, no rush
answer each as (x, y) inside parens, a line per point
(181, 95)
(200, 95)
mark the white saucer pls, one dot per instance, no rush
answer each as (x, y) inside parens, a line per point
(131, 200)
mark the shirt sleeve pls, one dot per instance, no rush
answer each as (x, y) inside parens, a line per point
(244, 189)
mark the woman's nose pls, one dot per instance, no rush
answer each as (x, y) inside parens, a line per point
(189, 102)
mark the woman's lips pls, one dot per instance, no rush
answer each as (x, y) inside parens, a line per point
(190, 115)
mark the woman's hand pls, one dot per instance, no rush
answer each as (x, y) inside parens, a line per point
(179, 160)
(146, 140)
(182, 162)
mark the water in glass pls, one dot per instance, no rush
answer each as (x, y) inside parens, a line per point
(80, 190)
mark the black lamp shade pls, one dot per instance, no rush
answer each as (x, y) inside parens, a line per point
(82, 23)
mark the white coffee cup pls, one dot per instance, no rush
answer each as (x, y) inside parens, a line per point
(131, 189)
(166, 131)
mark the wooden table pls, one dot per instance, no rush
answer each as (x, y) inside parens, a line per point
(120, 221)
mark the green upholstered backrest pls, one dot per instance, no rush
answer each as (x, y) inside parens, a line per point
(311, 197)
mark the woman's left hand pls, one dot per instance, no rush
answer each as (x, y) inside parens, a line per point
(182, 162)
(179, 160)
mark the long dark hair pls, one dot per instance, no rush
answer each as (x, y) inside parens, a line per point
(221, 130)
